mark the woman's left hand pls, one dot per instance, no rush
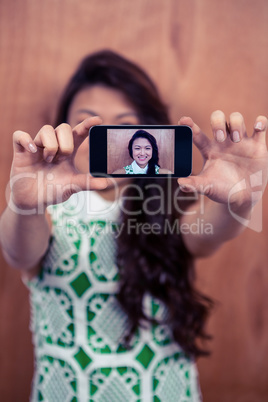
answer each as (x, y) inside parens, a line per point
(235, 164)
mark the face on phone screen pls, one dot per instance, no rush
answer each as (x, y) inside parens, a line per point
(136, 150)
(141, 150)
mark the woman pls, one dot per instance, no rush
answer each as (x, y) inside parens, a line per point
(115, 312)
(143, 149)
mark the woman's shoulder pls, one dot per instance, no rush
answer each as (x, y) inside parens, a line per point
(164, 171)
(128, 169)
(120, 171)
(83, 206)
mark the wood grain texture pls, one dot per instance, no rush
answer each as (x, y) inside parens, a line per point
(203, 55)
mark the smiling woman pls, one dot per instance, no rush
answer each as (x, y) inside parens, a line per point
(112, 337)
(140, 151)
(116, 315)
(143, 150)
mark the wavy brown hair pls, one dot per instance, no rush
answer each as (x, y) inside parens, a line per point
(154, 263)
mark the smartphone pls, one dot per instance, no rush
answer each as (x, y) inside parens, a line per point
(140, 150)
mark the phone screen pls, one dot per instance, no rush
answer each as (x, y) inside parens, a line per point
(141, 151)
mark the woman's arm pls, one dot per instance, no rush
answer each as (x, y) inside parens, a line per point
(230, 184)
(42, 173)
(24, 239)
(210, 225)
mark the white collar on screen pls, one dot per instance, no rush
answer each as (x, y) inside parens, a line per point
(137, 169)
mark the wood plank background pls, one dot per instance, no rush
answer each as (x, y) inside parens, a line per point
(204, 55)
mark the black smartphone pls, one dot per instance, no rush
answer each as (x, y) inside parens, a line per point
(140, 150)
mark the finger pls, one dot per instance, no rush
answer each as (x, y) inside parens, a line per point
(218, 125)
(46, 138)
(260, 129)
(237, 127)
(80, 132)
(23, 141)
(64, 135)
(83, 182)
(194, 184)
(199, 138)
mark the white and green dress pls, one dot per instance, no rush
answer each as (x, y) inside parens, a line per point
(134, 168)
(78, 324)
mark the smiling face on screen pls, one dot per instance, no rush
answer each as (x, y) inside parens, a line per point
(142, 151)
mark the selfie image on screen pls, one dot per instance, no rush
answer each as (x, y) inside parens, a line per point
(140, 151)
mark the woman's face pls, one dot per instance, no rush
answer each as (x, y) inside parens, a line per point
(142, 151)
(109, 104)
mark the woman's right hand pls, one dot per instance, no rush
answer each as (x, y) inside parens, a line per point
(43, 170)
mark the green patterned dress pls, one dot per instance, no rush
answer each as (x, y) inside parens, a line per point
(77, 322)
(129, 169)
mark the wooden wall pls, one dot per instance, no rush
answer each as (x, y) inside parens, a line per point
(204, 55)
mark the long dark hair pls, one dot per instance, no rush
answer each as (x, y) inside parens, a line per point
(154, 161)
(154, 263)
(108, 68)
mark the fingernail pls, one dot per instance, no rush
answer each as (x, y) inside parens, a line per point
(258, 126)
(236, 136)
(220, 136)
(49, 158)
(32, 147)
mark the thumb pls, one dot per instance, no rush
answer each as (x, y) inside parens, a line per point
(84, 182)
